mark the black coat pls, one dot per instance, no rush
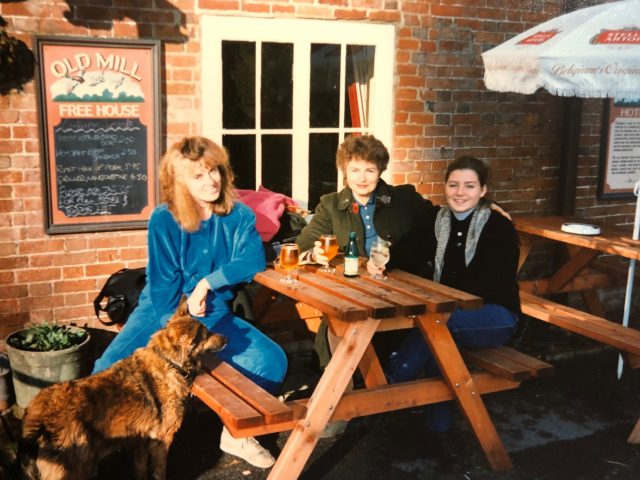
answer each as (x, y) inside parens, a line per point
(401, 216)
(492, 273)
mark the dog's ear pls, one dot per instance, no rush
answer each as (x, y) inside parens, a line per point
(182, 309)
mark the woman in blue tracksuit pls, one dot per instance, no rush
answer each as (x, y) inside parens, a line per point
(203, 244)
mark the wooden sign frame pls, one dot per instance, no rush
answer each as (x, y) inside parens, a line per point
(100, 120)
(619, 167)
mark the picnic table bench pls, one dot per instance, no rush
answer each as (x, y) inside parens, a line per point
(574, 275)
(582, 274)
(355, 309)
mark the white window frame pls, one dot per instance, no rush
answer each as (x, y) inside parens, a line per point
(301, 33)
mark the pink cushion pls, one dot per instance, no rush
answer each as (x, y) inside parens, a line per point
(268, 207)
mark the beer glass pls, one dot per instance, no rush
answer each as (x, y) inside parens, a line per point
(289, 258)
(329, 244)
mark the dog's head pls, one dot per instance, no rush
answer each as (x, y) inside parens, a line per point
(184, 338)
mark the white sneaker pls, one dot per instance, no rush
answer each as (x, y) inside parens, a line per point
(247, 449)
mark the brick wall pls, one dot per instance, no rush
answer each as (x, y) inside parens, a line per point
(442, 110)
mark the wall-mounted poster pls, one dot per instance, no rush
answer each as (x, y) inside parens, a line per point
(619, 149)
(100, 132)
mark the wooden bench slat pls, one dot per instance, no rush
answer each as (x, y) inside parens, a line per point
(596, 328)
(598, 323)
(376, 400)
(551, 310)
(538, 368)
(233, 412)
(508, 362)
(254, 396)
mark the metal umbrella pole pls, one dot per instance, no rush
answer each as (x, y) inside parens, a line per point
(632, 270)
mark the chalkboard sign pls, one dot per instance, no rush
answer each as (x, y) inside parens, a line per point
(100, 132)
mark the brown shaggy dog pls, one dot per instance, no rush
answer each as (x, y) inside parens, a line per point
(137, 405)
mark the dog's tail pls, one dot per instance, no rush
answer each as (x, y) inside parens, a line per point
(28, 453)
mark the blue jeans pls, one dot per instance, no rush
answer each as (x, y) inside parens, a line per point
(248, 350)
(485, 327)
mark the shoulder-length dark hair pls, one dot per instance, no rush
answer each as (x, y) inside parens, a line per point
(182, 159)
(467, 162)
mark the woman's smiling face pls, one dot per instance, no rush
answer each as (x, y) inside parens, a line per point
(204, 183)
(362, 178)
(463, 190)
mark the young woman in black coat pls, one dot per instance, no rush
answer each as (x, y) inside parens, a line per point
(474, 249)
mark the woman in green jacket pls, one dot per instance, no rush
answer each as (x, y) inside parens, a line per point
(370, 207)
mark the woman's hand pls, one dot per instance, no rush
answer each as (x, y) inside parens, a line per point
(375, 270)
(197, 300)
(317, 254)
(494, 206)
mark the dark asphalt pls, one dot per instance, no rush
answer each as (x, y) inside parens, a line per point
(571, 426)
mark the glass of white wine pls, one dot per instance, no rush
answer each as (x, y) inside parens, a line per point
(379, 255)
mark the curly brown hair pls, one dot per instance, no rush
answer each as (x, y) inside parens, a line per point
(182, 159)
(365, 147)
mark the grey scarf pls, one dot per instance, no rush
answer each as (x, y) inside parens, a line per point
(443, 229)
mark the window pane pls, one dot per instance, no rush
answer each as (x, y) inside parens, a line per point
(277, 85)
(242, 154)
(238, 84)
(325, 85)
(359, 71)
(322, 166)
(276, 163)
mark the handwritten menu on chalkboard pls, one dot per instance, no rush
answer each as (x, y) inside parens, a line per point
(101, 166)
(101, 132)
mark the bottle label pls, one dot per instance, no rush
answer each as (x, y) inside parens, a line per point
(351, 266)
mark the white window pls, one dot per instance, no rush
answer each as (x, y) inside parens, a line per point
(282, 94)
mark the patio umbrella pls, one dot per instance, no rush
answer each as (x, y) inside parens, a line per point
(590, 52)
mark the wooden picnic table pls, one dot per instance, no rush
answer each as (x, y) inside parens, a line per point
(355, 309)
(580, 273)
(573, 275)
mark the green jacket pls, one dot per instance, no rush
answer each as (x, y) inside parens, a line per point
(401, 216)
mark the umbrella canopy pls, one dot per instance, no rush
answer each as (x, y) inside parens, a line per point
(591, 52)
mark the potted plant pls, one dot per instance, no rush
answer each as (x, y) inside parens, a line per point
(43, 354)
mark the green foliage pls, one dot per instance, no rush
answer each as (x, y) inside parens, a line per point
(47, 336)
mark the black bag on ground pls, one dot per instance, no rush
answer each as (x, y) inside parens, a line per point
(121, 290)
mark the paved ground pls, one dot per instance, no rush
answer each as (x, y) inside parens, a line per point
(571, 426)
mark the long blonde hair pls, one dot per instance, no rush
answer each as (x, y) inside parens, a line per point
(183, 158)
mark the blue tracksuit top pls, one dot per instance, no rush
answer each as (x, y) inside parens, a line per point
(226, 250)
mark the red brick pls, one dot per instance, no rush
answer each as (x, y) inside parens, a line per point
(80, 285)
(73, 272)
(279, 8)
(350, 14)
(255, 8)
(103, 269)
(40, 289)
(219, 4)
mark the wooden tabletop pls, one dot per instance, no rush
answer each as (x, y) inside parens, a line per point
(611, 240)
(351, 299)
